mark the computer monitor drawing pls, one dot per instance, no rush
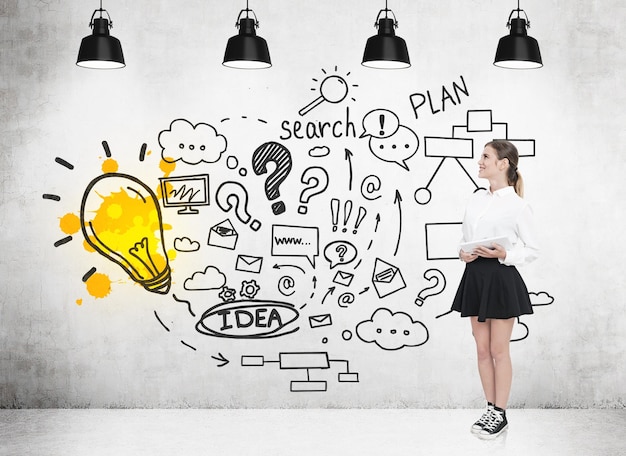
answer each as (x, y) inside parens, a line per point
(185, 192)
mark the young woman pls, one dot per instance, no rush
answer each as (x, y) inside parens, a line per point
(491, 292)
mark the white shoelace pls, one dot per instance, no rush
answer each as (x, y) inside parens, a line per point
(494, 421)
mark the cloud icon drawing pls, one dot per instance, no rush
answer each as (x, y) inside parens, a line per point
(185, 244)
(209, 279)
(392, 331)
(191, 144)
(540, 299)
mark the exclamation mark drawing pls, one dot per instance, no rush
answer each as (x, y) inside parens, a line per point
(381, 119)
(334, 212)
(359, 218)
(347, 210)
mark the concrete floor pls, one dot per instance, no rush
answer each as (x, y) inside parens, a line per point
(306, 432)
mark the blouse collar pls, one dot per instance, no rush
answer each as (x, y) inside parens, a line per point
(502, 192)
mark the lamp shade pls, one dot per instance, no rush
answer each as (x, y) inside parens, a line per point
(100, 50)
(246, 50)
(385, 50)
(518, 50)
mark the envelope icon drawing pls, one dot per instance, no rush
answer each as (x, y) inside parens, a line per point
(387, 278)
(343, 278)
(223, 235)
(317, 321)
(249, 263)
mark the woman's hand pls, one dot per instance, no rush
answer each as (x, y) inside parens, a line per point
(495, 251)
(467, 257)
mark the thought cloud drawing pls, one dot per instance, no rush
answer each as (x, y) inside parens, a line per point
(209, 279)
(540, 299)
(392, 331)
(184, 244)
(191, 144)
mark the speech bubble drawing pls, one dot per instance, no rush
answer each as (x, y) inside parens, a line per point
(396, 148)
(191, 144)
(289, 240)
(340, 252)
(380, 123)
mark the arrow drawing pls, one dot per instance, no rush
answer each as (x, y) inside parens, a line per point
(348, 157)
(330, 291)
(221, 359)
(398, 200)
(278, 266)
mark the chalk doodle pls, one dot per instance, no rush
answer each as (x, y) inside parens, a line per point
(340, 252)
(249, 263)
(386, 278)
(316, 180)
(223, 235)
(211, 278)
(298, 241)
(466, 142)
(306, 361)
(118, 213)
(249, 319)
(273, 152)
(191, 144)
(437, 283)
(186, 192)
(393, 142)
(231, 191)
(184, 244)
(333, 89)
(392, 331)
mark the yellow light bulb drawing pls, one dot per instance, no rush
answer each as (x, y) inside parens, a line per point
(121, 220)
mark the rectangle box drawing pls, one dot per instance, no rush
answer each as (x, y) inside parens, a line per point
(304, 360)
(479, 120)
(348, 377)
(252, 360)
(308, 386)
(525, 147)
(442, 240)
(448, 147)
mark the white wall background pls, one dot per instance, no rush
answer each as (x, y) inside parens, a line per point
(113, 352)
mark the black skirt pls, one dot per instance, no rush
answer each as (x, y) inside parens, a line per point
(489, 289)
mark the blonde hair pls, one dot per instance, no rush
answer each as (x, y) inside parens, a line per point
(506, 149)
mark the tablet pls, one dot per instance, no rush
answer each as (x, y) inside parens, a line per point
(502, 240)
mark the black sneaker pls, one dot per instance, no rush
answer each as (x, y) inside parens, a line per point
(483, 420)
(495, 426)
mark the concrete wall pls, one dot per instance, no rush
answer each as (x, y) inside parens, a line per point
(78, 331)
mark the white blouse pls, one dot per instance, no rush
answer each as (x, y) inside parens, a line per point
(502, 213)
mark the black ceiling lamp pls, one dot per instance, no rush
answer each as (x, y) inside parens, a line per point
(246, 50)
(518, 50)
(385, 50)
(100, 50)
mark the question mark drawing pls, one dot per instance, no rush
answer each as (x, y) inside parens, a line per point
(438, 281)
(316, 180)
(281, 157)
(229, 191)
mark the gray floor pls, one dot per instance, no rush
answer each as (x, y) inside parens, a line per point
(306, 432)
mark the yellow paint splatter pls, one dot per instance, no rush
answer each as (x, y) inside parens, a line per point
(110, 166)
(79, 302)
(167, 167)
(69, 223)
(126, 224)
(98, 285)
(87, 246)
